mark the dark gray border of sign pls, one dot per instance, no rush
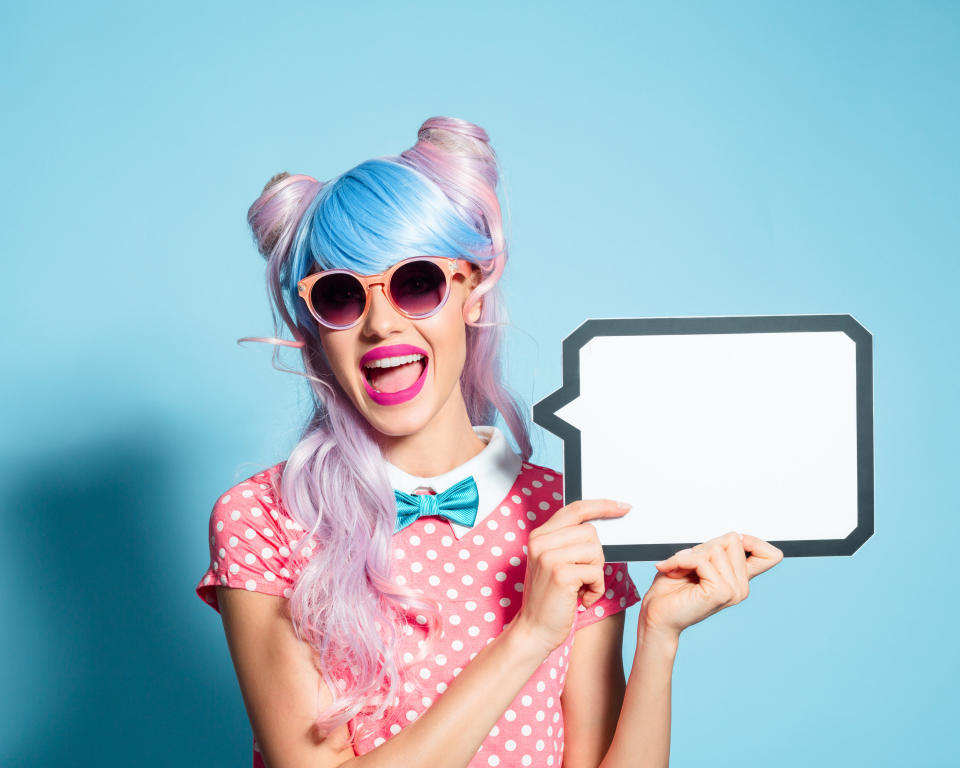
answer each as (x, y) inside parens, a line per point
(544, 413)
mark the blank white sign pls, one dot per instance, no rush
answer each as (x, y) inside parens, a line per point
(705, 433)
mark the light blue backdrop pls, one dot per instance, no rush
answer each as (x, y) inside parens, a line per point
(659, 159)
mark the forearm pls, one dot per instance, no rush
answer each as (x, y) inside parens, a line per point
(642, 738)
(451, 731)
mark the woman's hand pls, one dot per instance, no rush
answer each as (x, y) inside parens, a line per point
(698, 582)
(564, 560)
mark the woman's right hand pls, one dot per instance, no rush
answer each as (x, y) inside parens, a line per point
(564, 561)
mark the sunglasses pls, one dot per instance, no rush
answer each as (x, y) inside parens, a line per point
(416, 287)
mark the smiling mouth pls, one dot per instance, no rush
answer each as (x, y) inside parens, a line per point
(389, 375)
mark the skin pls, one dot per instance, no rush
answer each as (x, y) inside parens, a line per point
(609, 721)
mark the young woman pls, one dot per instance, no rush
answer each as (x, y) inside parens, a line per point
(405, 590)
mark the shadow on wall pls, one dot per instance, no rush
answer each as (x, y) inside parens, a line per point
(111, 658)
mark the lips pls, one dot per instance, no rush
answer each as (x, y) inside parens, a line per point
(389, 367)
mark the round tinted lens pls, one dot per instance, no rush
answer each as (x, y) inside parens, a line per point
(418, 287)
(338, 298)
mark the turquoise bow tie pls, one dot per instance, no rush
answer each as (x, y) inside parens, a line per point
(458, 504)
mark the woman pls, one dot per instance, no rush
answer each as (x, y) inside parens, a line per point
(405, 589)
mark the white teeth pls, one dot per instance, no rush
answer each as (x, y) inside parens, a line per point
(391, 362)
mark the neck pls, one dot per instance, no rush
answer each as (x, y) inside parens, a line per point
(446, 442)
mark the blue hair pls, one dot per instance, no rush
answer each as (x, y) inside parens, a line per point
(373, 216)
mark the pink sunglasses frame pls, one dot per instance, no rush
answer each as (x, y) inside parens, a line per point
(453, 267)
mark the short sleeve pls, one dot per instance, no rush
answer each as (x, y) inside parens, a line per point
(620, 594)
(250, 541)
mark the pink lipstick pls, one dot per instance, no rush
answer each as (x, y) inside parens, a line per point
(389, 357)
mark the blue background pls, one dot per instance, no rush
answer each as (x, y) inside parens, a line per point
(659, 160)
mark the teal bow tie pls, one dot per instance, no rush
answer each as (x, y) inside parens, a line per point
(457, 504)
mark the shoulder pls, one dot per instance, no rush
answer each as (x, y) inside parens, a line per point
(255, 500)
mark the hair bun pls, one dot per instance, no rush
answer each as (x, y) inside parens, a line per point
(274, 215)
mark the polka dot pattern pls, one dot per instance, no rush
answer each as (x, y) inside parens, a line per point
(477, 579)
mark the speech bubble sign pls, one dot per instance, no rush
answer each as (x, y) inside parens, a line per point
(758, 424)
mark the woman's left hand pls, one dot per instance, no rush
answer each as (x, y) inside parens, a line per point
(698, 582)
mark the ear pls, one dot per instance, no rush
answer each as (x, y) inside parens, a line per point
(472, 282)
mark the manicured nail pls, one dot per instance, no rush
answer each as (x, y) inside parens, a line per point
(741, 536)
(624, 505)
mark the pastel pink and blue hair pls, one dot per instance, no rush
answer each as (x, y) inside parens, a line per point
(437, 198)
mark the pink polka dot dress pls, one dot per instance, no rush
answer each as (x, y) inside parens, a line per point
(475, 573)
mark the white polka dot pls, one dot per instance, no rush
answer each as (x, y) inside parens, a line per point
(510, 745)
(553, 674)
(399, 554)
(541, 686)
(505, 511)
(284, 552)
(448, 567)
(256, 511)
(454, 619)
(247, 493)
(473, 631)
(531, 516)
(426, 701)
(464, 554)
(526, 701)
(407, 658)
(495, 731)
(434, 581)
(268, 575)
(424, 673)
(526, 730)
(514, 561)
(415, 540)
(501, 576)
(285, 573)
(556, 718)
(401, 579)
(268, 533)
(509, 535)
(548, 477)
(544, 506)
(249, 559)
(421, 619)
(457, 645)
(378, 741)
(395, 729)
(431, 554)
(516, 499)
(452, 593)
(429, 528)
(558, 496)
(467, 579)
(540, 745)
(234, 568)
(481, 565)
(441, 687)
(518, 586)
(493, 760)
(441, 659)
(526, 491)
(486, 591)
(478, 539)
(526, 760)
(288, 593)
(222, 552)
(249, 533)
(491, 524)
(411, 715)
(489, 616)
(250, 584)
(608, 594)
(549, 759)
(219, 525)
(446, 541)
(521, 525)
(619, 575)
(540, 715)
(496, 551)
(470, 605)
(510, 715)
(225, 499)
(599, 610)
(235, 515)
(266, 553)
(623, 602)
(504, 602)
(416, 567)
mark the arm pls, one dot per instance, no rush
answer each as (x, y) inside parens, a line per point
(593, 692)
(280, 687)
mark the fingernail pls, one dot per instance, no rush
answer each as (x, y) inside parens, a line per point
(741, 536)
(624, 505)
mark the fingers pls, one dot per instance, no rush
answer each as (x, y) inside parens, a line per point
(763, 555)
(580, 511)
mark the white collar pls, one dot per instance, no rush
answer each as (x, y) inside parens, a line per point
(494, 469)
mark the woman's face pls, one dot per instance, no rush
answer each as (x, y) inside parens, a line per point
(401, 373)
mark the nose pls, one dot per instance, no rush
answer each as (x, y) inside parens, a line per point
(382, 319)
